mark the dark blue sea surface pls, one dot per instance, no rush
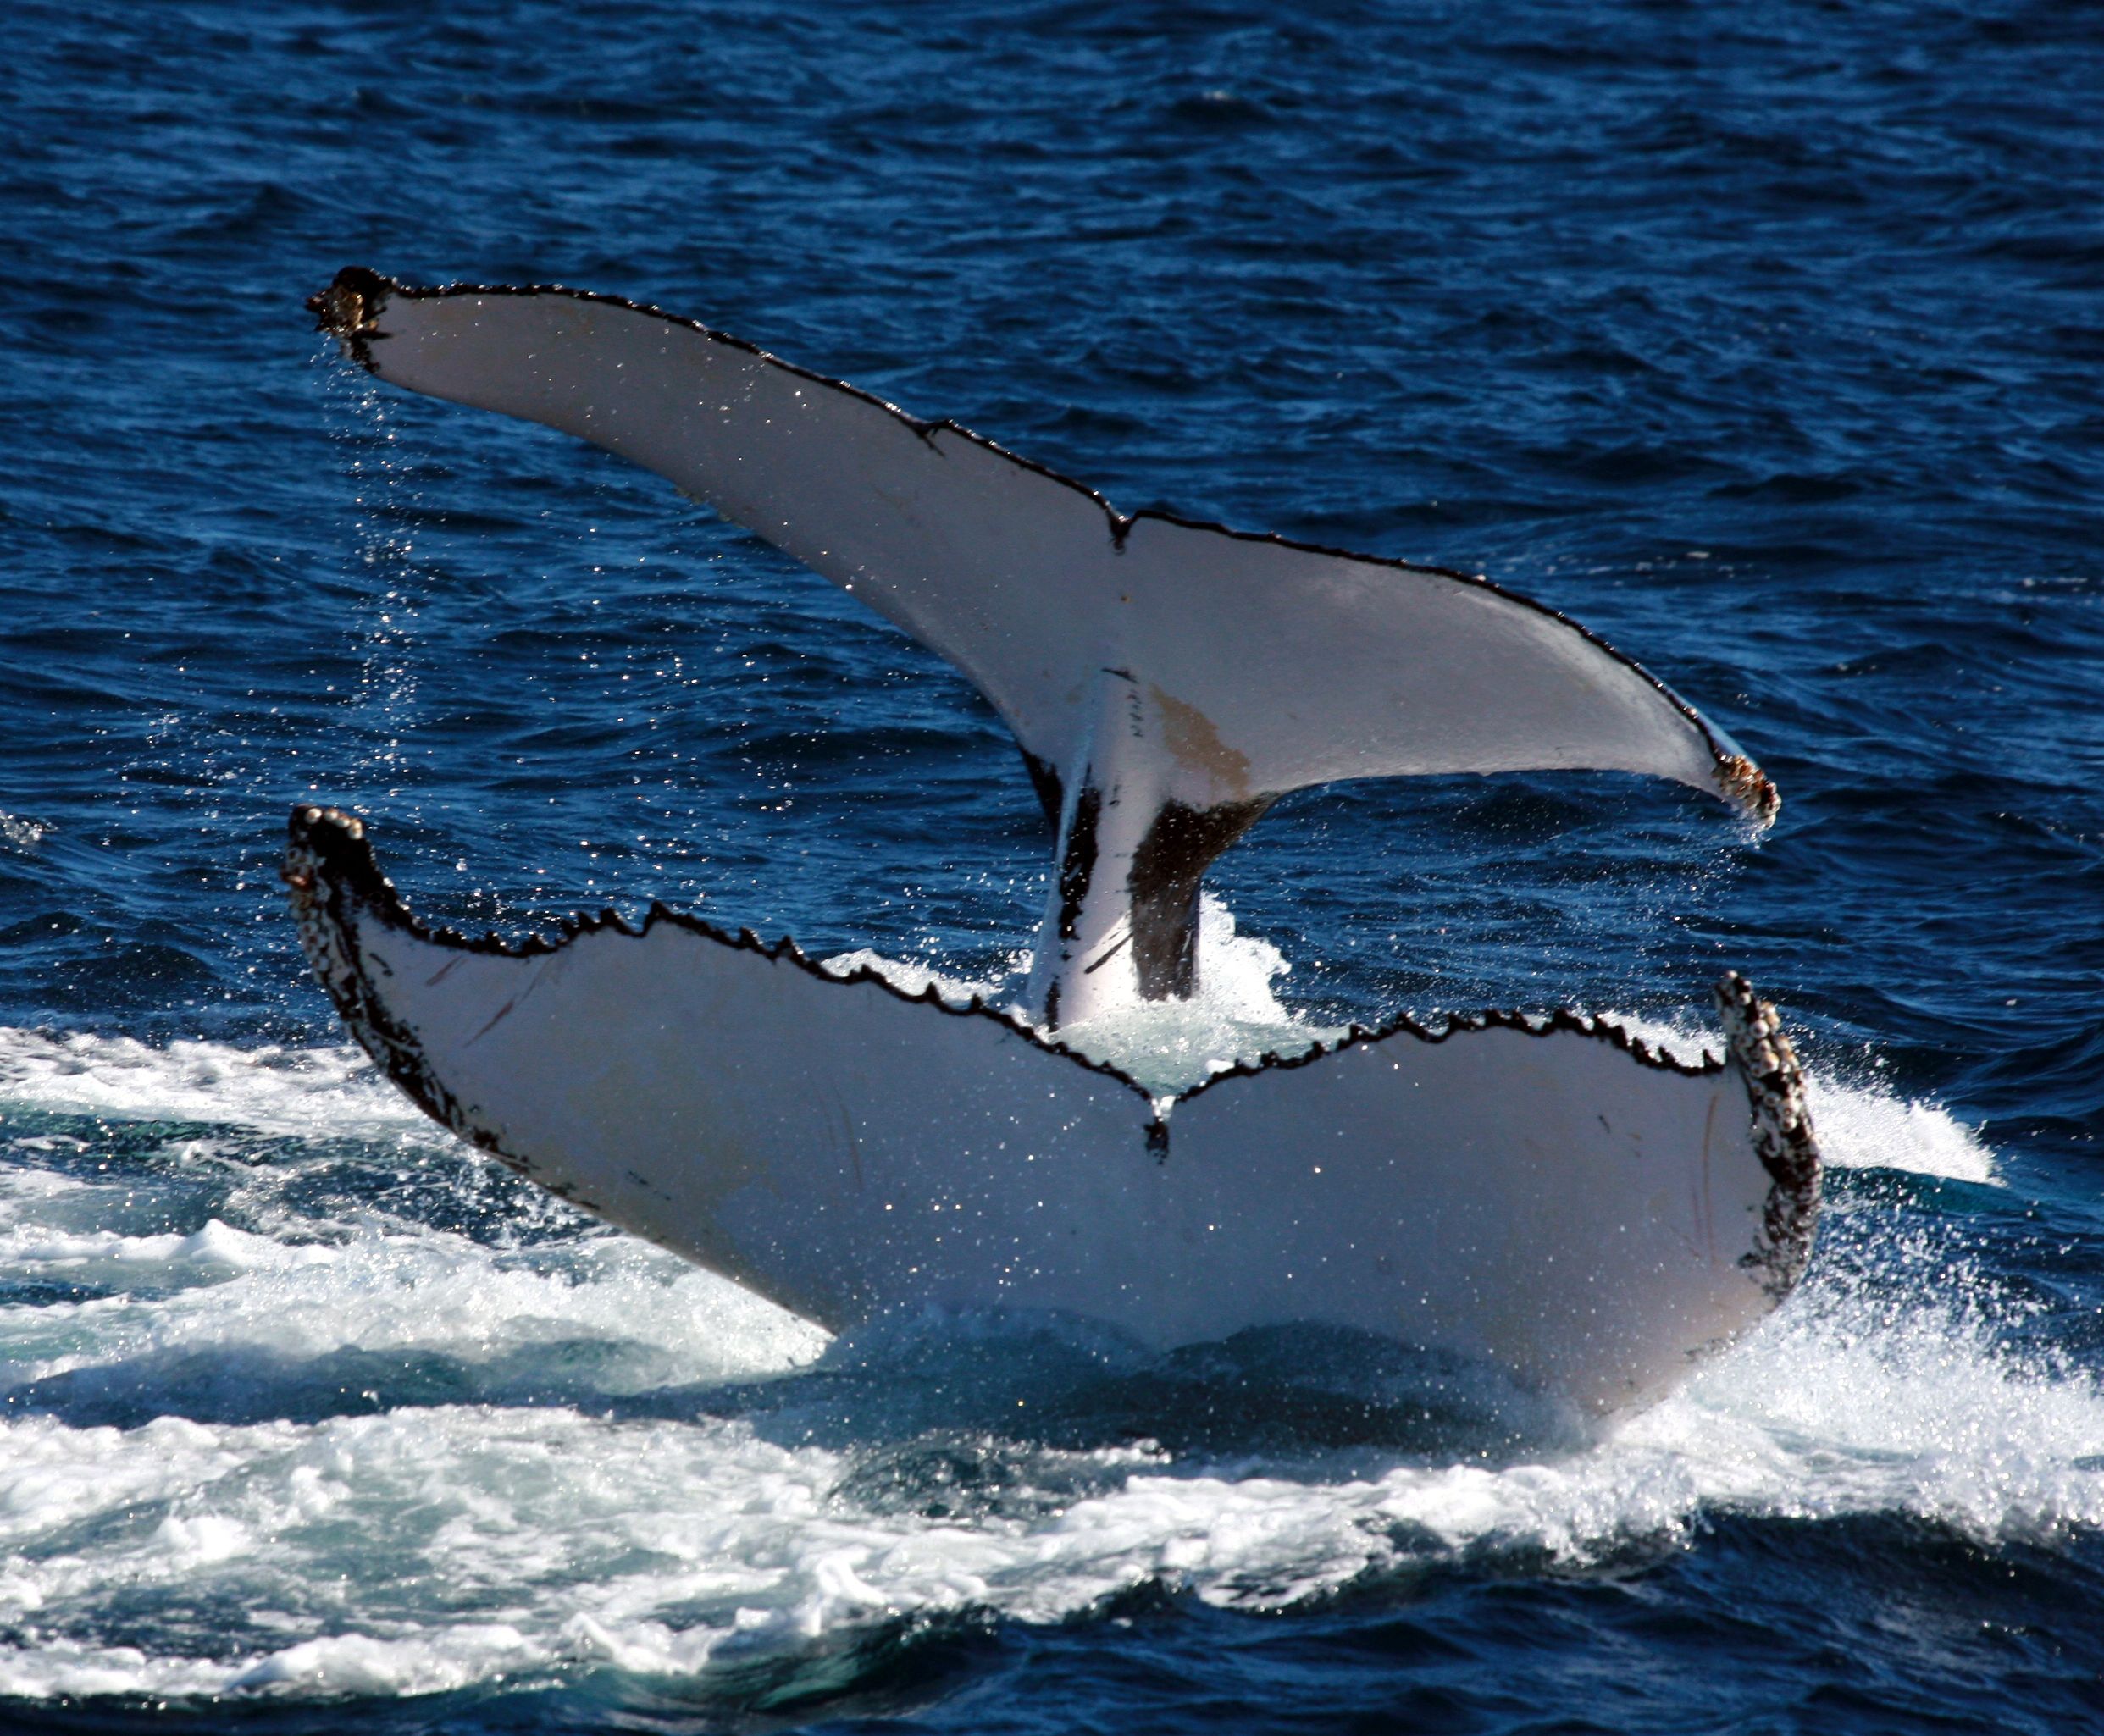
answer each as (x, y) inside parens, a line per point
(1767, 340)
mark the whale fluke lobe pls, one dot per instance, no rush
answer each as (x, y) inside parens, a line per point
(1544, 1193)
(1187, 674)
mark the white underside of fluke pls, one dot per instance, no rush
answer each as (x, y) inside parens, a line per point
(1546, 1196)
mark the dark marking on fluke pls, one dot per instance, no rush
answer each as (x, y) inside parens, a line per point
(1783, 1138)
(350, 309)
(1044, 779)
(1077, 861)
(1167, 869)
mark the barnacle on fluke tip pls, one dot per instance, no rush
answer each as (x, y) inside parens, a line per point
(1545, 1192)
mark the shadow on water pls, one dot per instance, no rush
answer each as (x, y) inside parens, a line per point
(930, 1405)
(945, 1415)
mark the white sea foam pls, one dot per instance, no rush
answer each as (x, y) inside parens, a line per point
(1167, 1046)
(1870, 1126)
(435, 1546)
(215, 1248)
(271, 1090)
(1237, 1016)
(655, 1546)
(1861, 1121)
(386, 1289)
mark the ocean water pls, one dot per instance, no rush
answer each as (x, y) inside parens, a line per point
(1765, 340)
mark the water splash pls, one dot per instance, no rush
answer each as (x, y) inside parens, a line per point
(1167, 1046)
(390, 581)
(397, 1457)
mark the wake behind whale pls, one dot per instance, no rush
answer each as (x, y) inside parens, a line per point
(1545, 1192)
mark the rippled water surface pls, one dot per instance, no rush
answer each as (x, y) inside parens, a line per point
(1763, 339)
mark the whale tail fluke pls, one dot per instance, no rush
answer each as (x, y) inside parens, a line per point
(1165, 679)
(1546, 1194)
